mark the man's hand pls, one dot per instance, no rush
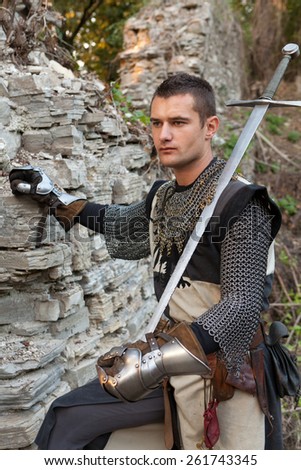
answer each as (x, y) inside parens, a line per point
(35, 182)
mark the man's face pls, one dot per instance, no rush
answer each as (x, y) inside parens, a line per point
(180, 140)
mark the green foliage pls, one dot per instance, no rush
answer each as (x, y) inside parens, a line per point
(288, 204)
(93, 31)
(284, 258)
(229, 145)
(262, 167)
(294, 136)
(275, 167)
(275, 123)
(125, 106)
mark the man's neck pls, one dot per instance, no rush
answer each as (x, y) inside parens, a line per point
(187, 176)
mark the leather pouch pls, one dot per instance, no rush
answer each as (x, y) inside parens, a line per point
(287, 375)
(221, 389)
(286, 370)
(244, 381)
(211, 426)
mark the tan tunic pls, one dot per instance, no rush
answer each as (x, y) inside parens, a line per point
(241, 421)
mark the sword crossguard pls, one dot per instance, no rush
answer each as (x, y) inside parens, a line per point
(289, 51)
(263, 101)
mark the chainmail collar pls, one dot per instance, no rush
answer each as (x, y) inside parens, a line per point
(178, 208)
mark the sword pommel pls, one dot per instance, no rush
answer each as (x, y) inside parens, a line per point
(289, 51)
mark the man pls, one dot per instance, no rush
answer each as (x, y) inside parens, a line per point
(212, 348)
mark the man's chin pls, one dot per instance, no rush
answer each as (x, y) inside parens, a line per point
(168, 160)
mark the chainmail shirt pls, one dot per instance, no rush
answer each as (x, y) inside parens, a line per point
(244, 253)
(233, 321)
(126, 230)
(176, 213)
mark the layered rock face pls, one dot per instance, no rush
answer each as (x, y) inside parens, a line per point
(65, 302)
(196, 36)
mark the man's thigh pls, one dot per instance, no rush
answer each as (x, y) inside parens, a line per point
(76, 425)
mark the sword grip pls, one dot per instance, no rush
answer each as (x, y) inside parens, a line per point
(289, 51)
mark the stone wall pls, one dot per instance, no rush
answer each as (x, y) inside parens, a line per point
(65, 302)
(196, 36)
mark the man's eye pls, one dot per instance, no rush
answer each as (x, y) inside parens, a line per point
(178, 123)
(156, 123)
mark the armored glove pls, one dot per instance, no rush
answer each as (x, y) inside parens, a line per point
(132, 371)
(34, 181)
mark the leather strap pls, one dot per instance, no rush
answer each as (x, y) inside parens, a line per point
(168, 428)
(153, 345)
(257, 362)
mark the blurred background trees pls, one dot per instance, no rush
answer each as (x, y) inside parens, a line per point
(92, 31)
(268, 25)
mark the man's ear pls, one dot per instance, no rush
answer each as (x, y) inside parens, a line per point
(212, 124)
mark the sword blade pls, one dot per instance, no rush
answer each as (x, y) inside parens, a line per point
(241, 146)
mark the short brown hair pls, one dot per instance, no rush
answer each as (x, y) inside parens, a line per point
(201, 90)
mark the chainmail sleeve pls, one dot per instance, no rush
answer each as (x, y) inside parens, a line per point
(244, 254)
(126, 231)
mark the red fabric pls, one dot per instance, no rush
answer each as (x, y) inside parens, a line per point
(211, 426)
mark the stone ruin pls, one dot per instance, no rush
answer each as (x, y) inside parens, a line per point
(65, 302)
(196, 36)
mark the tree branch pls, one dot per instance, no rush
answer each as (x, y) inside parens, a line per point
(87, 14)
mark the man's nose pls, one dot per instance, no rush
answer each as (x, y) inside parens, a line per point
(165, 133)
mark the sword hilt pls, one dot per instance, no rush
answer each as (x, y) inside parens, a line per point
(289, 51)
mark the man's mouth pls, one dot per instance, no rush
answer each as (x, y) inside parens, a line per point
(166, 149)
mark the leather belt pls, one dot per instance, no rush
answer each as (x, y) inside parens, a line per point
(258, 337)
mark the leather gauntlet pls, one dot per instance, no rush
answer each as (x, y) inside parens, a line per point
(132, 371)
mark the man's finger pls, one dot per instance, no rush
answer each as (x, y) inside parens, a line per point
(20, 186)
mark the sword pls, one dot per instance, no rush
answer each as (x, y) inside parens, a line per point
(260, 106)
